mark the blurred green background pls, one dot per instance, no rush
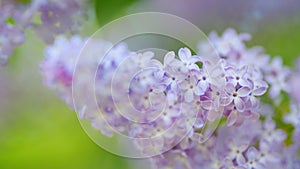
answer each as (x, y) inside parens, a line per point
(38, 130)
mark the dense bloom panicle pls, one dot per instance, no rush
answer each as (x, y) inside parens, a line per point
(59, 65)
(171, 107)
(12, 23)
(293, 117)
(233, 148)
(48, 18)
(294, 82)
(230, 43)
(58, 17)
(276, 75)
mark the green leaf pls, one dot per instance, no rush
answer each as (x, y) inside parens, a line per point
(23, 1)
(10, 21)
(108, 10)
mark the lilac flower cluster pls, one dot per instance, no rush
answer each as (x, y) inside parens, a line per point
(294, 82)
(293, 117)
(169, 104)
(47, 17)
(59, 65)
(253, 145)
(11, 33)
(232, 48)
(58, 17)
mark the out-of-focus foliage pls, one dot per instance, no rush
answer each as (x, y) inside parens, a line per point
(23, 1)
(107, 11)
(37, 130)
(280, 39)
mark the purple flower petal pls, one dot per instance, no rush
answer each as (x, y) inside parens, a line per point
(202, 87)
(243, 82)
(156, 63)
(232, 118)
(243, 71)
(259, 91)
(280, 135)
(240, 159)
(184, 54)
(189, 96)
(193, 67)
(169, 57)
(254, 102)
(230, 88)
(212, 115)
(147, 56)
(244, 91)
(199, 123)
(207, 104)
(252, 153)
(225, 100)
(239, 104)
(195, 59)
(230, 72)
(269, 124)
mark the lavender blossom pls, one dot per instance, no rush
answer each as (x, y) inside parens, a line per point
(12, 23)
(276, 75)
(294, 82)
(58, 17)
(171, 104)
